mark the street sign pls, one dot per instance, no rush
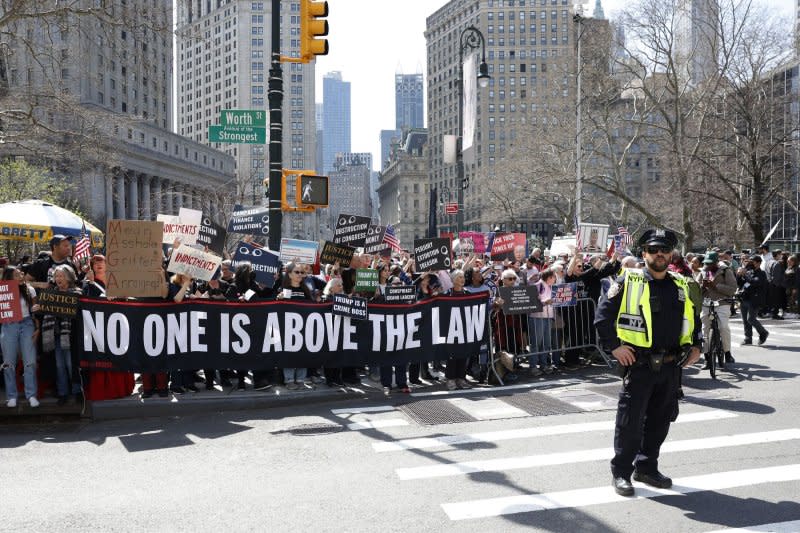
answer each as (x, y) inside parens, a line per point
(451, 208)
(237, 134)
(243, 117)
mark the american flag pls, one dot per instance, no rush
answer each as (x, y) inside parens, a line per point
(578, 240)
(83, 246)
(390, 238)
(627, 240)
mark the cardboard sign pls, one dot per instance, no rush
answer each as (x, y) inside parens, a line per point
(593, 237)
(400, 294)
(366, 280)
(332, 252)
(511, 246)
(265, 263)
(249, 220)
(472, 242)
(520, 300)
(351, 230)
(297, 251)
(353, 306)
(562, 246)
(185, 227)
(10, 304)
(432, 254)
(62, 304)
(374, 244)
(134, 258)
(212, 235)
(565, 295)
(194, 263)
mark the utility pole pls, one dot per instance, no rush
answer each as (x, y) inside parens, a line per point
(275, 98)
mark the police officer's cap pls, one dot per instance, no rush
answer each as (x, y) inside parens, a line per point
(658, 237)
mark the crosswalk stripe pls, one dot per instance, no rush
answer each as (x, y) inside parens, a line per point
(376, 424)
(526, 433)
(355, 410)
(582, 456)
(776, 527)
(599, 495)
(488, 408)
(520, 386)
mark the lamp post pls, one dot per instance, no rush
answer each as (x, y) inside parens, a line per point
(578, 19)
(471, 38)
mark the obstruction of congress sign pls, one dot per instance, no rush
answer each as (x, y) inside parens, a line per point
(160, 336)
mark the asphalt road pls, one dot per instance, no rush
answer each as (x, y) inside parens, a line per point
(533, 459)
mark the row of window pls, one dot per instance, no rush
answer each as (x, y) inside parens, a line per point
(521, 3)
(542, 28)
(542, 15)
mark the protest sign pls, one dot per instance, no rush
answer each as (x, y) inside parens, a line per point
(593, 237)
(374, 244)
(520, 300)
(562, 246)
(510, 246)
(432, 254)
(565, 295)
(353, 306)
(621, 245)
(212, 235)
(155, 337)
(297, 251)
(249, 220)
(472, 242)
(366, 280)
(194, 263)
(351, 230)
(185, 227)
(10, 304)
(62, 304)
(333, 253)
(400, 294)
(134, 258)
(265, 263)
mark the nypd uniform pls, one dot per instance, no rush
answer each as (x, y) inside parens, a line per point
(658, 320)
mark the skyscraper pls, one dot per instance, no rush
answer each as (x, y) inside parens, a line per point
(695, 39)
(336, 116)
(408, 96)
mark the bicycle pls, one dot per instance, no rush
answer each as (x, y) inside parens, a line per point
(715, 353)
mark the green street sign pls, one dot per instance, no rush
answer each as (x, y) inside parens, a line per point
(243, 117)
(237, 134)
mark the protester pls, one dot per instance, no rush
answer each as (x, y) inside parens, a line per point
(57, 338)
(456, 370)
(19, 337)
(541, 329)
(294, 289)
(752, 283)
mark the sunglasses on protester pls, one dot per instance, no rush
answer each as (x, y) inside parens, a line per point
(658, 249)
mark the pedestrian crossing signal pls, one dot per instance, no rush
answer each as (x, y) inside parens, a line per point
(312, 191)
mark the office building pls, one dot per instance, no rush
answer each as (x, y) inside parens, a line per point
(408, 101)
(350, 188)
(696, 36)
(336, 116)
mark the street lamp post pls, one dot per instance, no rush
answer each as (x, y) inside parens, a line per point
(578, 19)
(471, 38)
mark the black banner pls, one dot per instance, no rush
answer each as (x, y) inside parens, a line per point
(332, 252)
(53, 302)
(159, 336)
(212, 235)
(400, 294)
(520, 300)
(374, 244)
(351, 230)
(249, 220)
(432, 254)
(353, 306)
(265, 263)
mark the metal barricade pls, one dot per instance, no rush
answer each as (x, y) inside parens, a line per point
(537, 339)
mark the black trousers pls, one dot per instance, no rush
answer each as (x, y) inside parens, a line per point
(648, 403)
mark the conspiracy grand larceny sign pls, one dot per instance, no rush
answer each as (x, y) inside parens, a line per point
(159, 336)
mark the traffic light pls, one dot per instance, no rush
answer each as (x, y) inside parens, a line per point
(312, 191)
(312, 27)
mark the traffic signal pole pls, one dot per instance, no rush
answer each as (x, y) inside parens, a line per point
(275, 98)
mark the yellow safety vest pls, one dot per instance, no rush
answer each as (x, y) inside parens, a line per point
(634, 320)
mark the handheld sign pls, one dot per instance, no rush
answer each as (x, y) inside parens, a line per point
(472, 242)
(249, 220)
(297, 251)
(593, 237)
(10, 304)
(400, 294)
(134, 258)
(366, 280)
(511, 246)
(374, 242)
(62, 304)
(351, 230)
(332, 252)
(565, 295)
(212, 235)
(432, 254)
(353, 306)
(265, 263)
(194, 263)
(520, 300)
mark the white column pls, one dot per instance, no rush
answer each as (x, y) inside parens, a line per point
(119, 190)
(157, 199)
(146, 197)
(133, 196)
(109, 182)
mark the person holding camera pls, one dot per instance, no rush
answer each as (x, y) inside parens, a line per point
(752, 295)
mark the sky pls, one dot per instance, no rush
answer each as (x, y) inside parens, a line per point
(371, 40)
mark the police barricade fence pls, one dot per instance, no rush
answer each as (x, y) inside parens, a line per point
(542, 341)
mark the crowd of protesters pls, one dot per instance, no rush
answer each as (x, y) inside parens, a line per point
(549, 341)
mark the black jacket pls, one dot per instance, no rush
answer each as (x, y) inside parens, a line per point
(753, 287)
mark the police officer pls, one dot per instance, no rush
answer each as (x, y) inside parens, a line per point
(647, 321)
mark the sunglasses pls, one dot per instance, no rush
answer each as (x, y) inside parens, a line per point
(297, 272)
(658, 249)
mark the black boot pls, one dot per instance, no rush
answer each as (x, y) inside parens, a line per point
(729, 358)
(706, 364)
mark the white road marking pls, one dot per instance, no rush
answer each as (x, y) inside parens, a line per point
(354, 410)
(526, 503)
(775, 527)
(375, 424)
(492, 390)
(488, 408)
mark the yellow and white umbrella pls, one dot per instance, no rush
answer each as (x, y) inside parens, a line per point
(38, 221)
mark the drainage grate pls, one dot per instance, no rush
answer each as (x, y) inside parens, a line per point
(433, 412)
(538, 404)
(314, 429)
